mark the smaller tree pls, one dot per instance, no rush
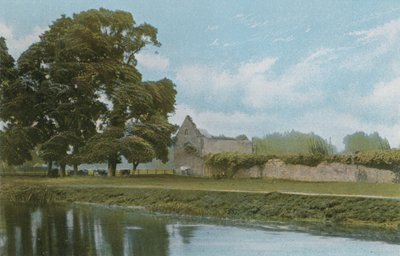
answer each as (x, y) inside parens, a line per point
(137, 150)
(360, 141)
(157, 131)
(17, 143)
(104, 147)
(56, 150)
(320, 147)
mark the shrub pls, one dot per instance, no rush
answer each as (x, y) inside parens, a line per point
(306, 159)
(227, 164)
(382, 159)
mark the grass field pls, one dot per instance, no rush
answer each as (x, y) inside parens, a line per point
(239, 185)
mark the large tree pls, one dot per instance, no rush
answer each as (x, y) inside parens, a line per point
(82, 79)
(18, 108)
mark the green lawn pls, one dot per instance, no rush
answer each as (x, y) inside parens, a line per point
(191, 183)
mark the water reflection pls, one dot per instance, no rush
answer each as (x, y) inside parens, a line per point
(29, 230)
(88, 230)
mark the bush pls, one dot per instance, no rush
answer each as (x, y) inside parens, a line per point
(227, 164)
(382, 159)
(308, 160)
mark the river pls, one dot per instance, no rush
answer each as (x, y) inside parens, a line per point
(97, 230)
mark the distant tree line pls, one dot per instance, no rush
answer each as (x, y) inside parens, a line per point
(76, 96)
(361, 142)
(294, 142)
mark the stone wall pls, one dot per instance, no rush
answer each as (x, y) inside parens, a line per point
(324, 172)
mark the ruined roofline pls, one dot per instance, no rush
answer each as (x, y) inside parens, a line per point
(204, 133)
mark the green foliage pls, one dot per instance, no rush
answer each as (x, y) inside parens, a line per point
(16, 144)
(306, 159)
(360, 141)
(319, 147)
(137, 150)
(221, 204)
(227, 164)
(382, 159)
(62, 80)
(242, 137)
(103, 146)
(288, 143)
(7, 69)
(157, 131)
(57, 147)
(190, 149)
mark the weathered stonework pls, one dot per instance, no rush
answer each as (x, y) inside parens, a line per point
(326, 172)
(192, 144)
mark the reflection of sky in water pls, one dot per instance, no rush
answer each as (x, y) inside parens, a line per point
(36, 223)
(221, 240)
(84, 230)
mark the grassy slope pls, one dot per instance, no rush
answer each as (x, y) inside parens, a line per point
(190, 183)
(164, 194)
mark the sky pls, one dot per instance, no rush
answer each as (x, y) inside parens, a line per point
(258, 67)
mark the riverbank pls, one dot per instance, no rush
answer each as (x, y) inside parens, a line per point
(264, 185)
(246, 206)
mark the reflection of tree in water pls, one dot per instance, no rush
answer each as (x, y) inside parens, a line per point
(146, 235)
(112, 227)
(57, 230)
(17, 227)
(186, 232)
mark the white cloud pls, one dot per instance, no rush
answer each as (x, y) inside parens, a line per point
(284, 39)
(17, 45)
(152, 61)
(256, 83)
(384, 100)
(208, 83)
(374, 43)
(293, 88)
(250, 20)
(212, 28)
(6, 31)
(387, 33)
(215, 43)
(249, 69)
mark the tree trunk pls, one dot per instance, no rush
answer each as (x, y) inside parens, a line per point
(75, 165)
(49, 168)
(112, 167)
(61, 172)
(135, 165)
(75, 169)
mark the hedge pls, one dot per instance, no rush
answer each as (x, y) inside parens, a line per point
(227, 164)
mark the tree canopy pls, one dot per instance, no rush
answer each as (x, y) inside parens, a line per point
(360, 141)
(79, 89)
(292, 142)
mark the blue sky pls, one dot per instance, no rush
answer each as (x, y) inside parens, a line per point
(256, 67)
